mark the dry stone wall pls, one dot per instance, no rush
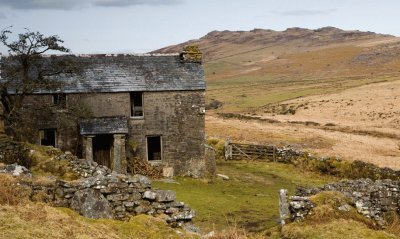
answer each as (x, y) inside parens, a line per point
(102, 193)
(336, 166)
(12, 152)
(371, 198)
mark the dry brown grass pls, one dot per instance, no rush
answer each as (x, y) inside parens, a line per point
(326, 221)
(327, 209)
(234, 232)
(33, 220)
(10, 192)
(393, 226)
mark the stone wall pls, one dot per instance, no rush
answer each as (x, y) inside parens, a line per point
(371, 198)
(102, 193)
(97, 104)
(104, 104)
(178, 117)
(335, 166)
(13, 152)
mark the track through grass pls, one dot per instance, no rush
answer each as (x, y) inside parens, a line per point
(249, 199)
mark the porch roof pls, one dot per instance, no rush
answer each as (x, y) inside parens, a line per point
(106, 125)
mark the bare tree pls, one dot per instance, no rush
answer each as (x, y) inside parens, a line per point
(28, 69)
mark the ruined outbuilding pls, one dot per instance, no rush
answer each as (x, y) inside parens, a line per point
(150, 106)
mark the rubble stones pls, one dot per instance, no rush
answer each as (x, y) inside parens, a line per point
(300, 207)
(16, 170)
(101, 193)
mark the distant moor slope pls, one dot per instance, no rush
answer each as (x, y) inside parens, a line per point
(249, 69)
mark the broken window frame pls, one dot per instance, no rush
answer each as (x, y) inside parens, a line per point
(136, 112)
(147, 148)
(60, 100)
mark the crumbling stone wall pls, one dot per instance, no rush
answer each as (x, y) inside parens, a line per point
(371, 198)
(102, 193)
(13, 152)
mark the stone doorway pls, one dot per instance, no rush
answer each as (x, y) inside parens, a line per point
(103, 149)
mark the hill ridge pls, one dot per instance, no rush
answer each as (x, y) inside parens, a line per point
(265, 37)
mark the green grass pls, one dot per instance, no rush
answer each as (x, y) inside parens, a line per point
(249, 199)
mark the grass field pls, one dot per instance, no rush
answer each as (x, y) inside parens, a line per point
(249, 93)
(249, 199)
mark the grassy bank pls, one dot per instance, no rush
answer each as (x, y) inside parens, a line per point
(41, 221)
(327, 221)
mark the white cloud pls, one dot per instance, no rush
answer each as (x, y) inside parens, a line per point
(305, 12)
(73, 4)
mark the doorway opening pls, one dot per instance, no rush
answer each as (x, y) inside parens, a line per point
(47, 137)
(154, 148)
(102, 149)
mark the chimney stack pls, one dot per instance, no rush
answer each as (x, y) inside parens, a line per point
(191, 54)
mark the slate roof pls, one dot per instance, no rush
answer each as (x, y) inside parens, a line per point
(124, 72)
(109, 125)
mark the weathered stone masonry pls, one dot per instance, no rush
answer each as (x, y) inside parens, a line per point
(168, 89)
(178, 117)
(102, 193)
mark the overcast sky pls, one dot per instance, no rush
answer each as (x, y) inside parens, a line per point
(138, 26)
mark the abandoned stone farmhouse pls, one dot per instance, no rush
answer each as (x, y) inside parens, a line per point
(147, 106)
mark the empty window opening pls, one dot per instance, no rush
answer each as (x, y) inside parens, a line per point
(60, 100)
(48, 137)
(154, 148)
(102, 149)
(136, 104)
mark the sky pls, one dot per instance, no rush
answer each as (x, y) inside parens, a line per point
(140, 26)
